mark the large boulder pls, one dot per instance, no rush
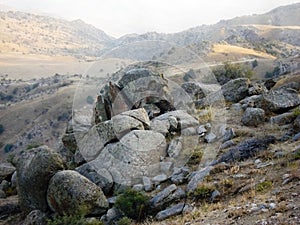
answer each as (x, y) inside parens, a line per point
(130, 120)
(136, 86)
(137, 154)
(280, 100)
(35, 168)
(253, 117)
(69, 193)
(236, 90)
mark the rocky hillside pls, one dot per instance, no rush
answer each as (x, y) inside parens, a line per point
(208, 153)
(275, 33)
(34, 34)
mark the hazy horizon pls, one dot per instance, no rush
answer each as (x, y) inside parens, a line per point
(121, 17)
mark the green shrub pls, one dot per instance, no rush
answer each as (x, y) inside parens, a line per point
(8, 148)
(263, 186)
(133, 204)
(195, 158)
(296, 111)
(33, 145)
(202, 192)
(124, 221)
(230, 71)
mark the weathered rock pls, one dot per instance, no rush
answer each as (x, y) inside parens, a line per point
(253, 101)
(190, 131)
(184, 119)
(283, 119)
(257, 89)
(70, 192)
(228, 135)
(194, 90)
(197, 177)
(140, 115)
(138, 187)
(36, 217)
(253, 117)
(148, 185)
(127, 90)
(136, 155)
(34, 170)
(159, 178)
(167, 196)
(177, 209)
(91, 143)
(236, 90)
(180, 175)
(160, 126)
(111, 216)
(175, 148)
(210, 137)
(6, 170)
(166, 167)
(246, 149)
(280, 100)
(99, 176)
(215, 196)
(130, 120)
(296, 137)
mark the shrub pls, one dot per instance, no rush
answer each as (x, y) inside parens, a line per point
(254, 63)
(296, 111)
(231, 71)
(33, 145)
(202, 192)
(133, 204)
(8, 148)
(196, 157)
(124, 221)
(263, 186)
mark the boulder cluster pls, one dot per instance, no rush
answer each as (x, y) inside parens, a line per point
(142, 137)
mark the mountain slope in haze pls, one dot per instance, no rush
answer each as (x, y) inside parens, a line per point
(34, 34)
(276, 33)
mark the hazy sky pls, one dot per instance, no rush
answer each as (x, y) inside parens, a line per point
(119, 17)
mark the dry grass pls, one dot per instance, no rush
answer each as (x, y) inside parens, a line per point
(236, 50)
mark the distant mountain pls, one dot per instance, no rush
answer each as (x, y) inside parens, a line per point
(288, 15)
(276, 33)
(31, 33)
